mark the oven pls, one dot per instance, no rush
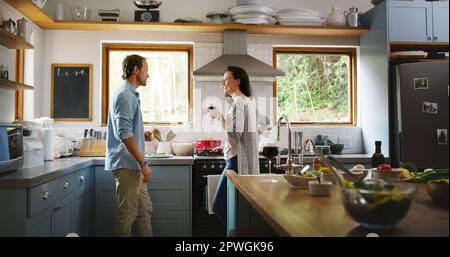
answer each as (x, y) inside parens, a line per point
(203, 223)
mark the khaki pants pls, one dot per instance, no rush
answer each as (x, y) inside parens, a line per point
(133, 203)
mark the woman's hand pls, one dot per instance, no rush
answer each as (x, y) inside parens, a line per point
(214, 113)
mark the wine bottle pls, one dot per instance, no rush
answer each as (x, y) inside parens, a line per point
(377, 157)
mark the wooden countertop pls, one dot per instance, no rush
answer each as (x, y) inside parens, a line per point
(293, 212)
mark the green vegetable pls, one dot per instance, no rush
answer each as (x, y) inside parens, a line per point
(409, 166)
(429, 174)
(310, 174)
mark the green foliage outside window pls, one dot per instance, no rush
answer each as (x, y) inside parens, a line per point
(315, 87)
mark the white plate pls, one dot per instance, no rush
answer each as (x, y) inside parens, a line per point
(159, 156)
(259, 9)
(297, 11)
(298, 17)
(252, 21)
(250, 16)
(306, 23)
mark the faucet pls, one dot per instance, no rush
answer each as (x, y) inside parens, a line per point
(289, 167)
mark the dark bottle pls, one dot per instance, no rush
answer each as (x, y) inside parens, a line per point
(377, 157)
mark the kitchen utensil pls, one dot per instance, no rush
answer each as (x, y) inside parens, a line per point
(170, 135)
(319, 189)
(164, 147)
(40, 3)
(304, 168)
(157, 134)
(207, 144)
(336, 148)
(353, 17)
(337, 17)
(147, 4)
(24, 29)
(438, 191)
(11, 147)
(10, 26)
(182, 149)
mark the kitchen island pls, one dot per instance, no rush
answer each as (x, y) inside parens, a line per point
(268, 209)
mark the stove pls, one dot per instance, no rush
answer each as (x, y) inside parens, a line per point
(203, 223)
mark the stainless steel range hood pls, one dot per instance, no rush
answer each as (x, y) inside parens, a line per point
(235, 54)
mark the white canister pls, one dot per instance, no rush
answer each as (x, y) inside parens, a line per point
(46, 136)
(59, 12)
(164, 147)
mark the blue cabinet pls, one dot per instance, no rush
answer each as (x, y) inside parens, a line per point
(55, 208)
(417, 21)
(169, 190)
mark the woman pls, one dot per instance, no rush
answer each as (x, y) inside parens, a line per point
(240, 124)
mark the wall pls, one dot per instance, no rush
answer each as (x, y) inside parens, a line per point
(171, 10)
(33, 74)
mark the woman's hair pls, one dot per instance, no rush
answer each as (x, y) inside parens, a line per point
(241, 74)
(129, 63)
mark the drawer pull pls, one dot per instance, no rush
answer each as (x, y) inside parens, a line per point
(66, 185)
(81, 178)
(45, 196)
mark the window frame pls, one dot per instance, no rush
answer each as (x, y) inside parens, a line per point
(351, 52)
(108, 47)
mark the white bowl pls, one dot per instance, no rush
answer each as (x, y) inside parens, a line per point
(298, 181)
(320, 189)
(392, 175)
(164, 147)
(360, 173)
(246, 2)
(182, 149)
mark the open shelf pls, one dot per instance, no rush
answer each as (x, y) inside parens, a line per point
(37, 16)
(30, 10)
(11, 85)
(11, 41)
(203, 28)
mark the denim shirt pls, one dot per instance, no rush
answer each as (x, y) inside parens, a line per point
(124, 121)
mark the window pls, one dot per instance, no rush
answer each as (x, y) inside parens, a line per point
(167, 98)
(319, 85)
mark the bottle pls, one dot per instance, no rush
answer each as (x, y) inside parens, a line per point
(59, 12)
(316, 164)
(377, 157)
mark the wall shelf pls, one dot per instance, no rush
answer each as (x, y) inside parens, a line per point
(37, 16)
(12, 85)
(11, 41)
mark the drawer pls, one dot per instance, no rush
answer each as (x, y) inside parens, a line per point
(103, 176)
(66, 185)
(170, 174)
(84, 179)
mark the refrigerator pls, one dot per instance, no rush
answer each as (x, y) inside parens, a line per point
(418, 101)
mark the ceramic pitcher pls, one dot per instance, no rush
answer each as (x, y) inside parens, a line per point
(336, 17)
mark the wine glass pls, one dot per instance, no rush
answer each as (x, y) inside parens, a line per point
(270, 151)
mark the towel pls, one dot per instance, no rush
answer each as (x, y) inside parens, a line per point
(213, 180)
(4, 146)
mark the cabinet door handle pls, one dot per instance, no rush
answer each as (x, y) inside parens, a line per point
(45, 195)
(429, 38)
(66, 185)
(81, 178)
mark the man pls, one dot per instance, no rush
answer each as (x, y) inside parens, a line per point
(125, 151)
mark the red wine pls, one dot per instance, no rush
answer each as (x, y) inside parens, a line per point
(270, 152)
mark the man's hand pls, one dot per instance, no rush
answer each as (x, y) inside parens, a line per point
(146, 173)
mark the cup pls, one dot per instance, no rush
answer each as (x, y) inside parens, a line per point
(164, 147)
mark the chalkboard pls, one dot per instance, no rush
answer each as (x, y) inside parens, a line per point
(71, 92)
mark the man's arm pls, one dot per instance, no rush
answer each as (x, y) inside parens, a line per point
(132, 148)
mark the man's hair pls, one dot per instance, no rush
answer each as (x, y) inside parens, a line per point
(130, 62)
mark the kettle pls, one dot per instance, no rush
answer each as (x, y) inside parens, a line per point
(24, 29)
(353, 17)
(10, 26)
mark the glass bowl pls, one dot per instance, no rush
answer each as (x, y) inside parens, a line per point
(378, 204)
(81, 13)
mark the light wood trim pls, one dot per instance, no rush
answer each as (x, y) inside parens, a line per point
(30, 10)
(107, 47)
(351, 52)
(393, 43)
(202, 28)
(20, 66)
(53, 85)
(11, 41)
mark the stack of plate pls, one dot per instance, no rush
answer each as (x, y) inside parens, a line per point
(251, 14)
(299, 17)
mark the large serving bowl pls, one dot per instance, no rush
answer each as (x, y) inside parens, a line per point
(378, 205)
(182, 149)
(392, 175)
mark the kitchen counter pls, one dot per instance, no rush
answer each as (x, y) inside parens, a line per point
(293, 212)
(31, 177)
